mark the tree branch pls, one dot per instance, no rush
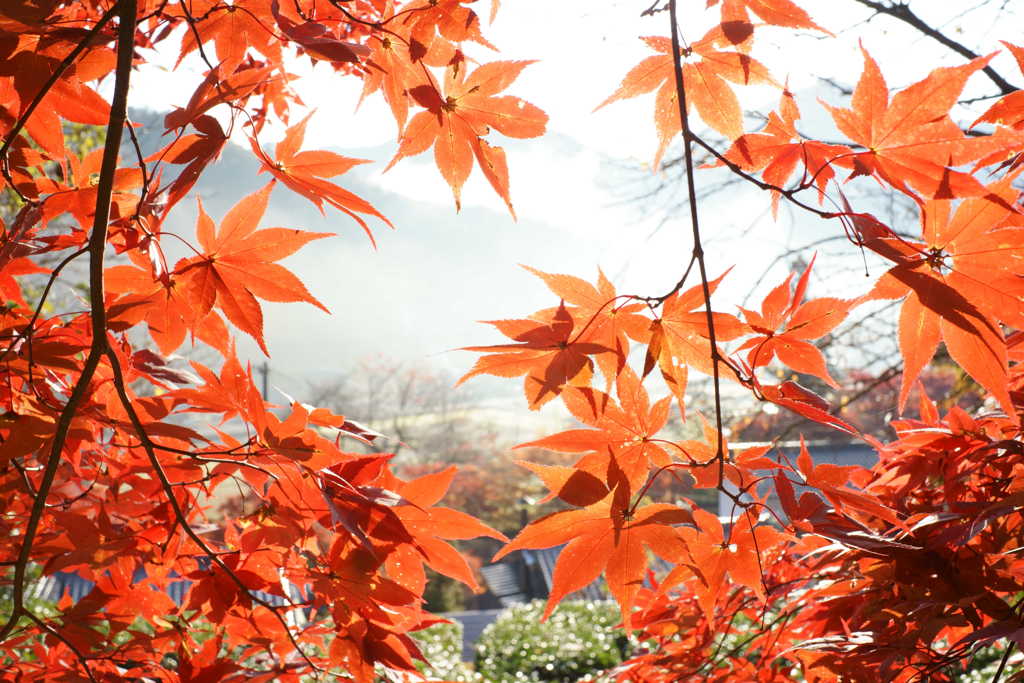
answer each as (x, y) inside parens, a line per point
(698, 249)
(54, 77)
(903, 12)
(126, 10)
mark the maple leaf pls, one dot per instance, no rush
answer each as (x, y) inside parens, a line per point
(575, 485)
(215, 90)
(164, 306)
(775, 12)
(704, 78)
(605, 537)
(234, 29)
(456, 122)
(713, 553)
(786, 323)
(912, 143)
(429, 524)
(778, 149)
(316, 39)
(605, 321)
(832, 480)
(432, 26)
(626, 431)
(547, 353)
(1009, 109)
(959, 284)
(304, 172)
(77, 195)
(237, 265)
(680, 337)
(389, 70)
(802, 401)
(25, 73)
(195, 150)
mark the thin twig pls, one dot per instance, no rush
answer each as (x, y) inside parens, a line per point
(698, 249)
(1003, 661)
(903, 12)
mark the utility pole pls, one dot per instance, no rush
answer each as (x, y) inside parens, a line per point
(264, 370)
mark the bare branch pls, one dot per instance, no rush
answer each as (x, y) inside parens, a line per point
(903, 12)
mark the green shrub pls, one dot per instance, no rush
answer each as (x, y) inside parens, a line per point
(578, 641)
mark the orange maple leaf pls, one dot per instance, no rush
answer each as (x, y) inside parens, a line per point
(546, 352)
(304, 172)
(433, 29)
(236, 265)
(456, 123)
(624, 432)
(786, 323)
(912, 143)
(778, 149)
(234, 29)
(706, 68)
(605, 321)
(605, 537)
(1009, 109)
(961, 282)
(775, 12)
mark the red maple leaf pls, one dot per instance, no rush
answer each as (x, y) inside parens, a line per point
(548, 353)
(237, 265)
(305, 173)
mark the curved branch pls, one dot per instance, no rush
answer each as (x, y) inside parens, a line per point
(126, 10)
(903, 12)
(179, 514)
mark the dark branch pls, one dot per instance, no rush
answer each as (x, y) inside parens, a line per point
(126, 10)
(698, 248)
(906, 15)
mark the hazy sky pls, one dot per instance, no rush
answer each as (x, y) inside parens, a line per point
(416, 297)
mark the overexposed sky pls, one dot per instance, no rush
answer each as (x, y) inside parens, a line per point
(565, 186)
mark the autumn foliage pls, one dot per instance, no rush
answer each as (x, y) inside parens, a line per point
(109, 449)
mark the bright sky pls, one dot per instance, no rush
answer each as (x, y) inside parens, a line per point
(584, 50)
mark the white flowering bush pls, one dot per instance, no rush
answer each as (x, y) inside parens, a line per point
(441, 645)
(577, 643)
(985, 663)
